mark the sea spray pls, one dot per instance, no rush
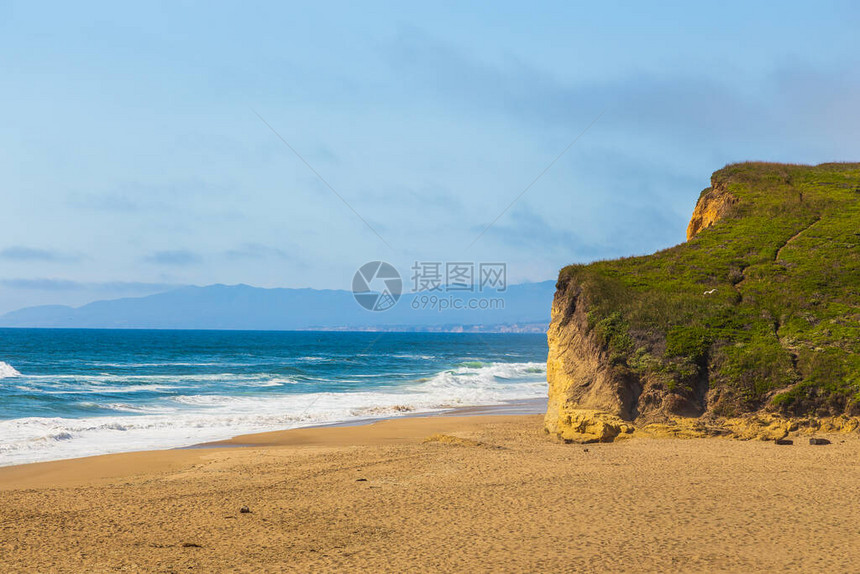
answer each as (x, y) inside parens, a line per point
(7, 370)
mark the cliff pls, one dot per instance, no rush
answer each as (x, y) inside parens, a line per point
(714, 203)
(758, 312)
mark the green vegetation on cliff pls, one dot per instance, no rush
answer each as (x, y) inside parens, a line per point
(761, 309)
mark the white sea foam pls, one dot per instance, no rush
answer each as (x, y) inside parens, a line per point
(109, 383)
(182, 420)
(167, 364)
(7, 370)
(132, 408)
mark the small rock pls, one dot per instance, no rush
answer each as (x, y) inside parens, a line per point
(245, 510)
(783, 441)
(585, 450)
(818, 441)
(191, 545)
(360, 480)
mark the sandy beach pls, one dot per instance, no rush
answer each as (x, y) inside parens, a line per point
(439, 494)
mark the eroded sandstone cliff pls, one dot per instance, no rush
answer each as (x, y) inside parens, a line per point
(714, 203)
(592, 393)
(580, 375)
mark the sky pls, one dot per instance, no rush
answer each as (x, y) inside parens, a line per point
(148, 145)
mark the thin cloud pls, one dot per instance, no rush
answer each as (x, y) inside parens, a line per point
(47, 284)
(22, 253)
(141, 196)
(42, 284)
(174, 257)
(257, 251)
(686, 107)
(528, 229)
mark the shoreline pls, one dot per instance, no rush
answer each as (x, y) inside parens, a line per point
(512, 407)
(17, 474)
(104, 468)
(508, 408)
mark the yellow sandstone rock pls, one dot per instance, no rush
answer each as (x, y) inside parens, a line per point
(761, 427)
(583, 426)
(711, 207)
(682, 428)
(587, 426)
(578, 371)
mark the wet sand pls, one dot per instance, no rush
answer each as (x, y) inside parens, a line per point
(487, 494)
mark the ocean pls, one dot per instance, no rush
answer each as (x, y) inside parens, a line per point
(68, 393)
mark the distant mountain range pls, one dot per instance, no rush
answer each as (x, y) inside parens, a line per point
(526, 309)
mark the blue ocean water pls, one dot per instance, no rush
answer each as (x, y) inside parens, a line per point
(68, 393)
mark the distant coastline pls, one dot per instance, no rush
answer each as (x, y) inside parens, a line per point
(521, 308)
(539, 327)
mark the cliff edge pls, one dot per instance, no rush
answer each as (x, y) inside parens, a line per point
(714, 203)
(758, 312)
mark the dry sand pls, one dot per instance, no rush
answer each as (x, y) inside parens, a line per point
(500, 496)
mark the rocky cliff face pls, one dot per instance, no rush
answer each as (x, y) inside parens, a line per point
(714, 203)
(592, 392)
(578, 370)
(760, 314)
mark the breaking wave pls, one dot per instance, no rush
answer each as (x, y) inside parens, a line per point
(156, 414)
(7, 370)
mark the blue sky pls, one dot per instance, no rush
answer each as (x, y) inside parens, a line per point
(132, 158)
